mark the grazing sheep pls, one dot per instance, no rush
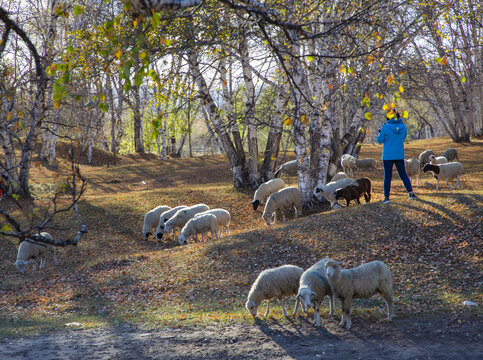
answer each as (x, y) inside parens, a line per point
(413, 168)
(199, 225)
(366, 164)
(282, 200)
(354, 192)
(275, 283)
(289, 168)
(151, 220)
(328, 190)
(424, 157)
(265, 190)
(359, 283)
(451, 154)
(437, 160)
(30, 249)
(178, 220)
(222, 216)
(446, 171)
(165, 216)
(348, 163)
(339, 176)
(313, 288)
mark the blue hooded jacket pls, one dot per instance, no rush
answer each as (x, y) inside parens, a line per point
(392, 135)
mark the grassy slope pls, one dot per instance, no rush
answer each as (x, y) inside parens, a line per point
(433, 246)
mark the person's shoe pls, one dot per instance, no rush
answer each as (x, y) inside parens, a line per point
(412, 196)
(386, 201)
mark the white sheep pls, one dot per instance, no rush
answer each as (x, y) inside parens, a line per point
(413, 168)
(165, 216)
(181, 217)
(199, 225)
(436, 160)
(151, 220)
(313, 288)
(446, 171)
(265, 190)
(348, 163)
(222, 216)
(275, 283)
(289, 168)
(328, 191)
(451, 154)
(339, 176)
(282, 200)
(30, 249)
(424, 157)
(367, 163)
(360, 282)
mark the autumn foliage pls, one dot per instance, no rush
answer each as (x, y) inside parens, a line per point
(432, 246)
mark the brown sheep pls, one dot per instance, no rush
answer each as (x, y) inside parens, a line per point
(354, 192)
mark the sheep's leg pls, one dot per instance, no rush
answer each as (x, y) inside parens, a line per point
(457, 182)
(358, 201)
(228, 229)
(42, 263)
(417, 180)
(331, 305)
(55, 257)
(437, 184)
(317, 314)
(34, 266)
(280, 301)
(390, 306)
(447, 183)
(283, 216)
(297, 303)
(174, 235)
(268, 308)
(346, 312)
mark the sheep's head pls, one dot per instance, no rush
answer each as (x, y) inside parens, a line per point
(332, 269)
(20, 264)
(267, 217)
(318, 193)
(168, 226)
(252, 307)
(433, 168)
(182, 240)
(306, 295)
(432, 159)
(255, 204)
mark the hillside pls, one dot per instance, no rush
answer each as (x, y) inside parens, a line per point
(433, 246)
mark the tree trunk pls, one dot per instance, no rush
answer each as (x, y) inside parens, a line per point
(274, 138)
(237, 163)
(253, 172)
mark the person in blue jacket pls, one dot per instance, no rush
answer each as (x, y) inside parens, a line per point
(392, 135)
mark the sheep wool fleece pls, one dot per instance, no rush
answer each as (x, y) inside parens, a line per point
(392, 135)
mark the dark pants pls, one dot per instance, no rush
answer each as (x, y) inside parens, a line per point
(388, 175)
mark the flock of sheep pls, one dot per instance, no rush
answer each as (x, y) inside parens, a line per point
(325, 278)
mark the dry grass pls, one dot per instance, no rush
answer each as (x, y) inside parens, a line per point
(432, 246)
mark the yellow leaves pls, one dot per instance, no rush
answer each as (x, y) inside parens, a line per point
(142, 55)
(288, 121)
(118, 54)
(305, 119)
(370, 59)
(390, 114)
(331, 87)
(368, 116)
(342, 69)
(9, 115)
(405, 114)
(463, 79)
(401, 89)
(385, 107)
(393, 105)
(390, 79)
(310, 58)
(56, 105)
(444, 61)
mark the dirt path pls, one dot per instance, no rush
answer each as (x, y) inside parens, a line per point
(417, 338)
